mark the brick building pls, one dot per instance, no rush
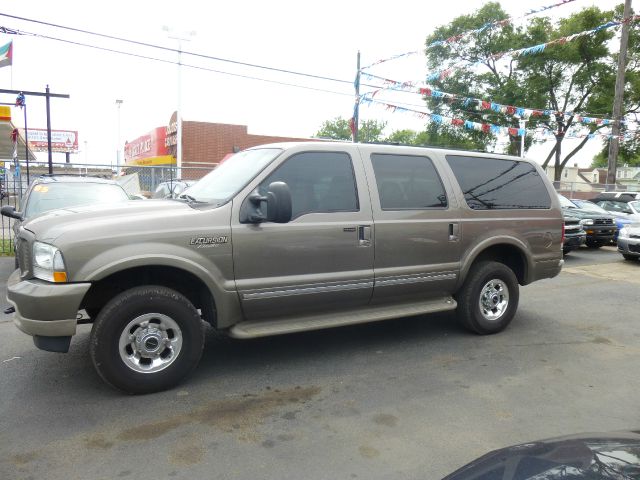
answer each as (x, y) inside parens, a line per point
(152, 157)
(210, 143)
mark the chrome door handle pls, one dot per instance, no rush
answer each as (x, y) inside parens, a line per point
(364, 235)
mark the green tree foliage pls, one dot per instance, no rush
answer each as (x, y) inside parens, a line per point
(370, 131)
(576, 76)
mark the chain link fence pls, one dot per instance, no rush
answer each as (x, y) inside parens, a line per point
(587, 191)
(137, 181)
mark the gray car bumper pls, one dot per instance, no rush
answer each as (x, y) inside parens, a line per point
(629, 246)
(43, 308)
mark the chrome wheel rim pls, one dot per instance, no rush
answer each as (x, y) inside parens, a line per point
(494, 299)
(150, 343)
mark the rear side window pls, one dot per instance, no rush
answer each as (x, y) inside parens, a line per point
(493, 183)
(407, 182)
(319, 182)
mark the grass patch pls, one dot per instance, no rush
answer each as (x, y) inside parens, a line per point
(6, 248)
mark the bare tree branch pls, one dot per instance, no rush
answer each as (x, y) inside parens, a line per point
(553, 150)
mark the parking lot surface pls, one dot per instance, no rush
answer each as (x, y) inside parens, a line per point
(403, 399)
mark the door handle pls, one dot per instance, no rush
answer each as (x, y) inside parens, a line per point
(364, 235)
(454, 232)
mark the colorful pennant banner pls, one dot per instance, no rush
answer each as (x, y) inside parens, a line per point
(481, 127)
(521, 52)
(487, 26)
(471, 102)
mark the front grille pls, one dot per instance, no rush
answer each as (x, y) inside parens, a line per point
(23, 253)
(634, 235)
(634, 248)
(603, 221)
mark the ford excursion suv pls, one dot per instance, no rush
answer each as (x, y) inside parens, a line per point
(285, 238)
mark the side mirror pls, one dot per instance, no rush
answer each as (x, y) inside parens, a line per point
(278, 203)
(10, 211)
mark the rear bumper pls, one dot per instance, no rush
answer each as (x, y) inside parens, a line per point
(43, 308)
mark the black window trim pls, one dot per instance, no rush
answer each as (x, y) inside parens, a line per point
(353, 173)
(445, 207)
(493, 157)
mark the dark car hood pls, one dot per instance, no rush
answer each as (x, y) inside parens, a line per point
(582, 214)
(614, 455)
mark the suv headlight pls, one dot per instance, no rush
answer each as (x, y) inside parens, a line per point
(586, 221)
(623, 233)
(48, 263)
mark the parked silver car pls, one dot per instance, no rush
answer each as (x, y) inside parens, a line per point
(629, 241)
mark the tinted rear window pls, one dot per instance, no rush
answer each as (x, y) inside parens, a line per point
(495, 183)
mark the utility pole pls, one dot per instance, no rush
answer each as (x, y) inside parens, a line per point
(356, 108)
(118, 158)
(180, 37)
(522, 124)
(614, 142)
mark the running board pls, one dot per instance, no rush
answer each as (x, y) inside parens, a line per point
(264, 328)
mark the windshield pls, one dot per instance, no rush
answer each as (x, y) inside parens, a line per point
(589, 206)
(229, 177)
(635, 206)
(51, 196)
(565, 202)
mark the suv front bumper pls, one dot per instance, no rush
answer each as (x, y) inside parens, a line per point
(45, 309)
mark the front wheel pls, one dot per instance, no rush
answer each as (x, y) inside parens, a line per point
(631, 258)
(146, 339)
(488, 299)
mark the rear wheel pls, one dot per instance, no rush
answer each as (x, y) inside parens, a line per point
(488, 299)
(631, 258)
(146, 339)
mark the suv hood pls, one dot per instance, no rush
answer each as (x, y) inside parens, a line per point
(580, 214)
(125, 216)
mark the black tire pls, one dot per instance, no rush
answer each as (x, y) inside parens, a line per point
(592, 244)
(565, 251)
(146, 302)
(631, 258)
(469, 312)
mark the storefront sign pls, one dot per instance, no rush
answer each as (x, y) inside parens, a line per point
(149, 149)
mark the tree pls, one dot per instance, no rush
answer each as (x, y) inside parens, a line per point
(370, 131)
(575, 76)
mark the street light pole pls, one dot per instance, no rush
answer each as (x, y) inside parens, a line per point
(180, 37)
(118, 143)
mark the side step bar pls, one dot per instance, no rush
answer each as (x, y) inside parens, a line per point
(264, 328)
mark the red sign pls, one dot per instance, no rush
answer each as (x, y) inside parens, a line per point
(61, 140)
(151, 145)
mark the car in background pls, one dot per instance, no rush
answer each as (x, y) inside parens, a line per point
(629, 242)
(628, 208)
(172, 188)
(625, 196)
(621, 218)
(598, 224)
(574, 234)
(52, 192)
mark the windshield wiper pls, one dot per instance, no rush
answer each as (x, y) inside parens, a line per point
(190, 199)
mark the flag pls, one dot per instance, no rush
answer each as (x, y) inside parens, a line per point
(6, 54)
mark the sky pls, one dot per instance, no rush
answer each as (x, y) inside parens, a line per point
(321, 38)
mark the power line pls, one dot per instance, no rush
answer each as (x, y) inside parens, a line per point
(174, 50)
(162, 60)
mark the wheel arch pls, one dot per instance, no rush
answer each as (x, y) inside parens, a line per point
(179, 279)
(508, 251)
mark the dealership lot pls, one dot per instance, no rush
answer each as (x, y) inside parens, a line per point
(411, 398)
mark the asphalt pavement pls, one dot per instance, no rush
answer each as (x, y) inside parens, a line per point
(412, 398)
